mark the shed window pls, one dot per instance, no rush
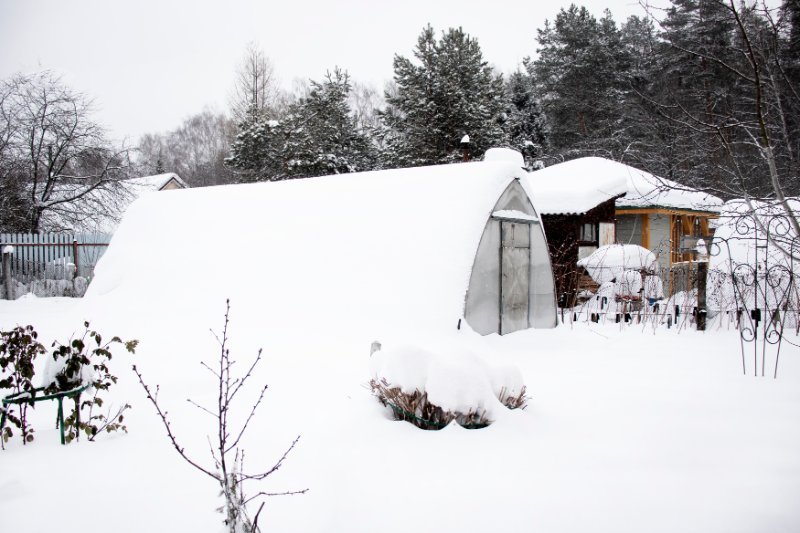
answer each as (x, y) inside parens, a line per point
(588, 233)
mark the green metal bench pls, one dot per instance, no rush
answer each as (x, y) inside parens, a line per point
(33, 397)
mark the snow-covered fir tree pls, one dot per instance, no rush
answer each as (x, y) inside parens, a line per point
(320, 132)
(579, 75)
(256, 151)
(526, 125)
(317, 136)
(448, 92)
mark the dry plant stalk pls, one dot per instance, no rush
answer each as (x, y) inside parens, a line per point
(227, 456)
(415, 408)
(514, 401)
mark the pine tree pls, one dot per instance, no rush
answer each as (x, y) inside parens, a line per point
(526, 125)
(318, 136)
(321, 135)
(449, 92)
(580, 78)
(256, 151)
(698, 91)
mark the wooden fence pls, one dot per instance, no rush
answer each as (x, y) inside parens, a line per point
(50, 255)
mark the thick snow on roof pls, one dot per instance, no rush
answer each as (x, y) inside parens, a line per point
(394, 246)
(152, 183)
(647, 190)
(508, 155)
(576, 186)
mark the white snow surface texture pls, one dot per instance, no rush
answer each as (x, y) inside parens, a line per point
(578, 185)
(455, 378)
(378, 247)
(627, 431)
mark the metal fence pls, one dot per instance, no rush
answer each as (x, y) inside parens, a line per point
(50, 256)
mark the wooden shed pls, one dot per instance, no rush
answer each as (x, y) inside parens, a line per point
(665, 217)
(577, 202)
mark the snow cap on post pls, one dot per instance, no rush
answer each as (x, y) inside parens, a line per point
(465, 147)
(8, 249)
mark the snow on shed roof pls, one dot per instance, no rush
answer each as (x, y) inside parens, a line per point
(394, 246)
(153, 183)
(648, 190)
(576, 186)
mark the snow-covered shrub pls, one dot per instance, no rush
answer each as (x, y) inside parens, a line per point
(629, 283)
(608, 262)
(432, 389)
(78, 364)
(18, 348)
(653, 287)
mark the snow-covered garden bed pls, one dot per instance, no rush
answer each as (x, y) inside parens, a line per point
(626, 430)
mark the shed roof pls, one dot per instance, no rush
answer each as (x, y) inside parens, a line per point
(393, 246)
(576, 186)
(153, 183)
(648, 190)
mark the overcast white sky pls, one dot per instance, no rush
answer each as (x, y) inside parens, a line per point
(151, 63)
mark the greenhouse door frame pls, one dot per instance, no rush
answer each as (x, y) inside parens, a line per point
(515, 282)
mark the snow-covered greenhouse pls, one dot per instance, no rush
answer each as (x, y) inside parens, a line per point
(427, 247)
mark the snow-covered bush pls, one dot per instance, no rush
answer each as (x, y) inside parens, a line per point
(653, 287)
(629, 283)
(431, 389)
(18, 348)
(608, 262)
(78, 364)
(71, 366)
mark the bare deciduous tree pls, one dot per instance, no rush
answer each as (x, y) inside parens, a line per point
(196, 150)
(255, 85)
(54, 159)
(228, 458)
(742, 123)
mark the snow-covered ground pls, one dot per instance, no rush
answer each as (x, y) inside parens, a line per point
(626, 431)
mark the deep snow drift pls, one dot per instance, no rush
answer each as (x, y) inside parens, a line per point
(626, 431)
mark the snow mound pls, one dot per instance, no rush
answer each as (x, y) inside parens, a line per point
(393, 249)
(629, 283)
(609, 262)
(454, 379)
(506, 155)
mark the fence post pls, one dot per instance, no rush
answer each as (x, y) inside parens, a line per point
(702, 274)
(75, 260)
(8, 255)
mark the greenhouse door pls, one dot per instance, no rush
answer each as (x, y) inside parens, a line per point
(515, 267)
